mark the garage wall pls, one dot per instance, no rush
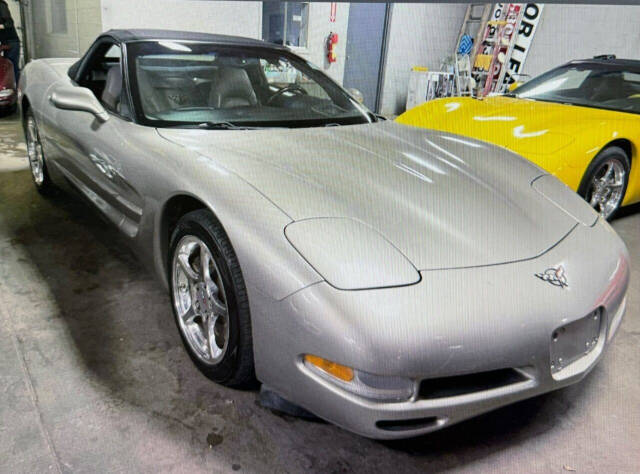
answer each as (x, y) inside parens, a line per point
(319, 28)
(419, 35)
(227, 18)
(568, 32)
(63, 28)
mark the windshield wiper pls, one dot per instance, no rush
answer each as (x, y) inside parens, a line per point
(222, 126)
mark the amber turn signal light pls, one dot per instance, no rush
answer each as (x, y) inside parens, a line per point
(338, 371)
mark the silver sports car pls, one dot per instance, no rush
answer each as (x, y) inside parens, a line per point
(389, 279)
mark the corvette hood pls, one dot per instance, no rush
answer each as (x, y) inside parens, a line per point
(443, 201)
(527, 127)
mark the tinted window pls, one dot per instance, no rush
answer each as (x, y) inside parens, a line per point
(590, 85)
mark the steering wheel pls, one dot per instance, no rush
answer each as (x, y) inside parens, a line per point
(295, 88)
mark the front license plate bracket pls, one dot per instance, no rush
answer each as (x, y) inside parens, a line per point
(575, 340)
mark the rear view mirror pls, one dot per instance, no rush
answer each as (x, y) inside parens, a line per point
(80, 99)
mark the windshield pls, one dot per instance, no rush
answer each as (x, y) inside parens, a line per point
(208, 85)
(586, 84)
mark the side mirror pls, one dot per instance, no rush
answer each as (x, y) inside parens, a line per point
(514, 85)
(356, 95)
(80, 99)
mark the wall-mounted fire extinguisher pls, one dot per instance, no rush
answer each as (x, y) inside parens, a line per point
(332, 40)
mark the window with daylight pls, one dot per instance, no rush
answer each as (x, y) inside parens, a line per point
(285, 23)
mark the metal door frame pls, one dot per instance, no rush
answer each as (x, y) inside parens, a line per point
(26, 21)
(383, 56)
(384, 44)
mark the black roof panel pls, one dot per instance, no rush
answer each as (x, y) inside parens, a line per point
(627, 64)
(124, 36)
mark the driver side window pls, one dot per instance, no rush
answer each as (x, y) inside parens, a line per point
(103, 75)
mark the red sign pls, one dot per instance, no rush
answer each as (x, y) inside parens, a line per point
(332, 15)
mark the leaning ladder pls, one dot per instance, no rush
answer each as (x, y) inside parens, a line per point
(503, 46)
(474, 23)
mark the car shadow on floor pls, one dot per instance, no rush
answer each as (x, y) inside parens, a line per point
(627, 211)
(120, 321)
(96, 318)
(498, 429)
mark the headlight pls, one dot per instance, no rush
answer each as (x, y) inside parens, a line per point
(350, 255)
(374, 387)
(6, 93)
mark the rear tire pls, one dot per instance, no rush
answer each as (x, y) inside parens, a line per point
(35, 154)
(210, 301)
(605, 182)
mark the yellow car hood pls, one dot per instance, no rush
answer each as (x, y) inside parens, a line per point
(523, 126)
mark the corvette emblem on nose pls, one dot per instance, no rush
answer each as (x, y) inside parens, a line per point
(556, 276)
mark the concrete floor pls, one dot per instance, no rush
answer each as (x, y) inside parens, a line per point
(93, 376)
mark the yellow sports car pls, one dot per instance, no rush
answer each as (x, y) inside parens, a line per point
(580, 122)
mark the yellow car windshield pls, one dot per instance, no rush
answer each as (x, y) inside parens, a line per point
(592, 85)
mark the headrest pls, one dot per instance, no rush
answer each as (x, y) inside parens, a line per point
(113, 88)
(232, 88)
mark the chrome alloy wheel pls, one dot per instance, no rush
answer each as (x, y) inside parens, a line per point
(606, 187)
(200, 300)
(34, 152)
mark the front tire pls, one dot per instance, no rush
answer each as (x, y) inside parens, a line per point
(35, 153)
(605, 182)
(209, 300)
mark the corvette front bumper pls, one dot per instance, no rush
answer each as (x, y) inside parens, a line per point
(482, 321)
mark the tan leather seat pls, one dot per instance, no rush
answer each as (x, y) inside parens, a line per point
(113, 88)
(232, 87)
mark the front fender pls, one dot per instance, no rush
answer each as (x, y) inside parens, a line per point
(254, 225)
(594, 138)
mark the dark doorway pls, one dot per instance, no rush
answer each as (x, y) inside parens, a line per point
(366, 45)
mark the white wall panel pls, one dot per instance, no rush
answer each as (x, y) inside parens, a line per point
(419, 35)
(319, 28)
(570, 32)
(227, 18)
(82, 21)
